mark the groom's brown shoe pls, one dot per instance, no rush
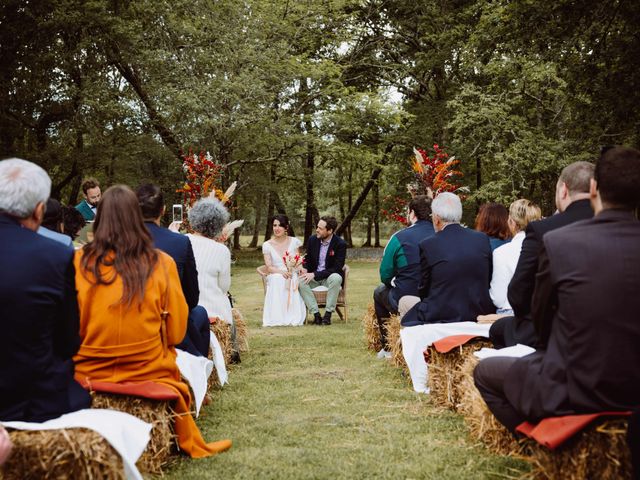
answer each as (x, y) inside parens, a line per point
(317, 319)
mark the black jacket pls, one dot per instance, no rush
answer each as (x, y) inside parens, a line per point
(336, 256)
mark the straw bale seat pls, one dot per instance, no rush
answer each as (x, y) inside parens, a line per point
(445, 359)
(395, 344)
(222, 331)
(242, 332)
(150, 402)
(319, 292)
(580, 446)
(77, 453)
(371, 330)
(482, 425)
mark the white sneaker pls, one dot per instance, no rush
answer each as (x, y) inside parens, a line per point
(383, 354)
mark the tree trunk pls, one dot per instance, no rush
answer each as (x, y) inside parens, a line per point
(256, 225)
(310, 209)
(363, 194)
(367, 242)
(376, 214)
(271, 204)
(347, 232)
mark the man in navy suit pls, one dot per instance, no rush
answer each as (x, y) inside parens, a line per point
(196, 340)
(455, 267)
(323, 264)
(38, 305)
(572, 201)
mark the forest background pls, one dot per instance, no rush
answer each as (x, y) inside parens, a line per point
(315, 106)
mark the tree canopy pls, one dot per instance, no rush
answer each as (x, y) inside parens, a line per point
(314, 106)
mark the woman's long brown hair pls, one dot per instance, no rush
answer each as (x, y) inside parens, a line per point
(121, 241)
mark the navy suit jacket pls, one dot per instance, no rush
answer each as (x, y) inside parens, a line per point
(39, 321)
(455, 265)
(336, 256)
(180, 249)
(587, 297)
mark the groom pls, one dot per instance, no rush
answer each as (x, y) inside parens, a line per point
(323, 264)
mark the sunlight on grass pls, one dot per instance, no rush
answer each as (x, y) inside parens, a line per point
(312, 402)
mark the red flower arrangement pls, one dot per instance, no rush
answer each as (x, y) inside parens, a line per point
(432, 175)
(435, 174)
(202, 177)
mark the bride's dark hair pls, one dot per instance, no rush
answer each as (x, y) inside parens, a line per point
(283, 220)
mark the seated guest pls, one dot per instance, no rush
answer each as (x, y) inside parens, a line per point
(400, 266)
(52, 223)
(586, 303)
(493, 220)
(132, 311)
(72, 222)
(572, 201)
(505, 258)
(455, 267)
(92, 195)
(207, 217)
(38, 305)
(151, 201)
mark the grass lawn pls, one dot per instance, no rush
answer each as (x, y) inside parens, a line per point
(312, 402)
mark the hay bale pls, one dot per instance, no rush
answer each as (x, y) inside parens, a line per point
(445, 372)
(483, 426)
(160, 451)
(242, 332)
(371, 330)
(600, 451)
(76, 453)
(222, 331)
(395, 343)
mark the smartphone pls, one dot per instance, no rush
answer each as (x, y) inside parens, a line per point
(177, 213)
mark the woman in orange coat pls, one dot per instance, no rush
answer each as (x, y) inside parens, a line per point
(124, 285)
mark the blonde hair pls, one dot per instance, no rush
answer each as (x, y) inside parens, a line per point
(523, 211)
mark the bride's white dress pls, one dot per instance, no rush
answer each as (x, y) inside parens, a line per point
(283, 304)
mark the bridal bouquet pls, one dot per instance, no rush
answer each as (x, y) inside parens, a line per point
(292, 262)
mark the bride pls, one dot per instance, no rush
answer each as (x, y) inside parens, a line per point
(283, 304)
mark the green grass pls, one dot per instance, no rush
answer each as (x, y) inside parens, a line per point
(312, 402)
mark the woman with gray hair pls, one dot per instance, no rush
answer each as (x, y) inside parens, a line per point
(207, 217)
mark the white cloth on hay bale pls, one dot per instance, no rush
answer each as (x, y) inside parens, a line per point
(415, 341)
(127, 434)
(518, 351)
(218, 359)
(196, 371)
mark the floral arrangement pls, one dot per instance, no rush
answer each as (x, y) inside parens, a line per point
(395, 208)
(203, 177)
(203, 174)
(432, 175)
(292, 262)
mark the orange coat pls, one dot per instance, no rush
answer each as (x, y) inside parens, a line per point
(123, 343)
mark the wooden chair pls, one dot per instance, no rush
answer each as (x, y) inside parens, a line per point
(321, 295)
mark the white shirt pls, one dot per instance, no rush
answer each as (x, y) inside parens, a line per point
(213, 261)
(505, 260)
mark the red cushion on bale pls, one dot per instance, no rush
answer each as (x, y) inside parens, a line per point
(447, 344)
(554, 431)
(148, 389)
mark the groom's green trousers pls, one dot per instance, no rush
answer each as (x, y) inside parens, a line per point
(333, 283)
